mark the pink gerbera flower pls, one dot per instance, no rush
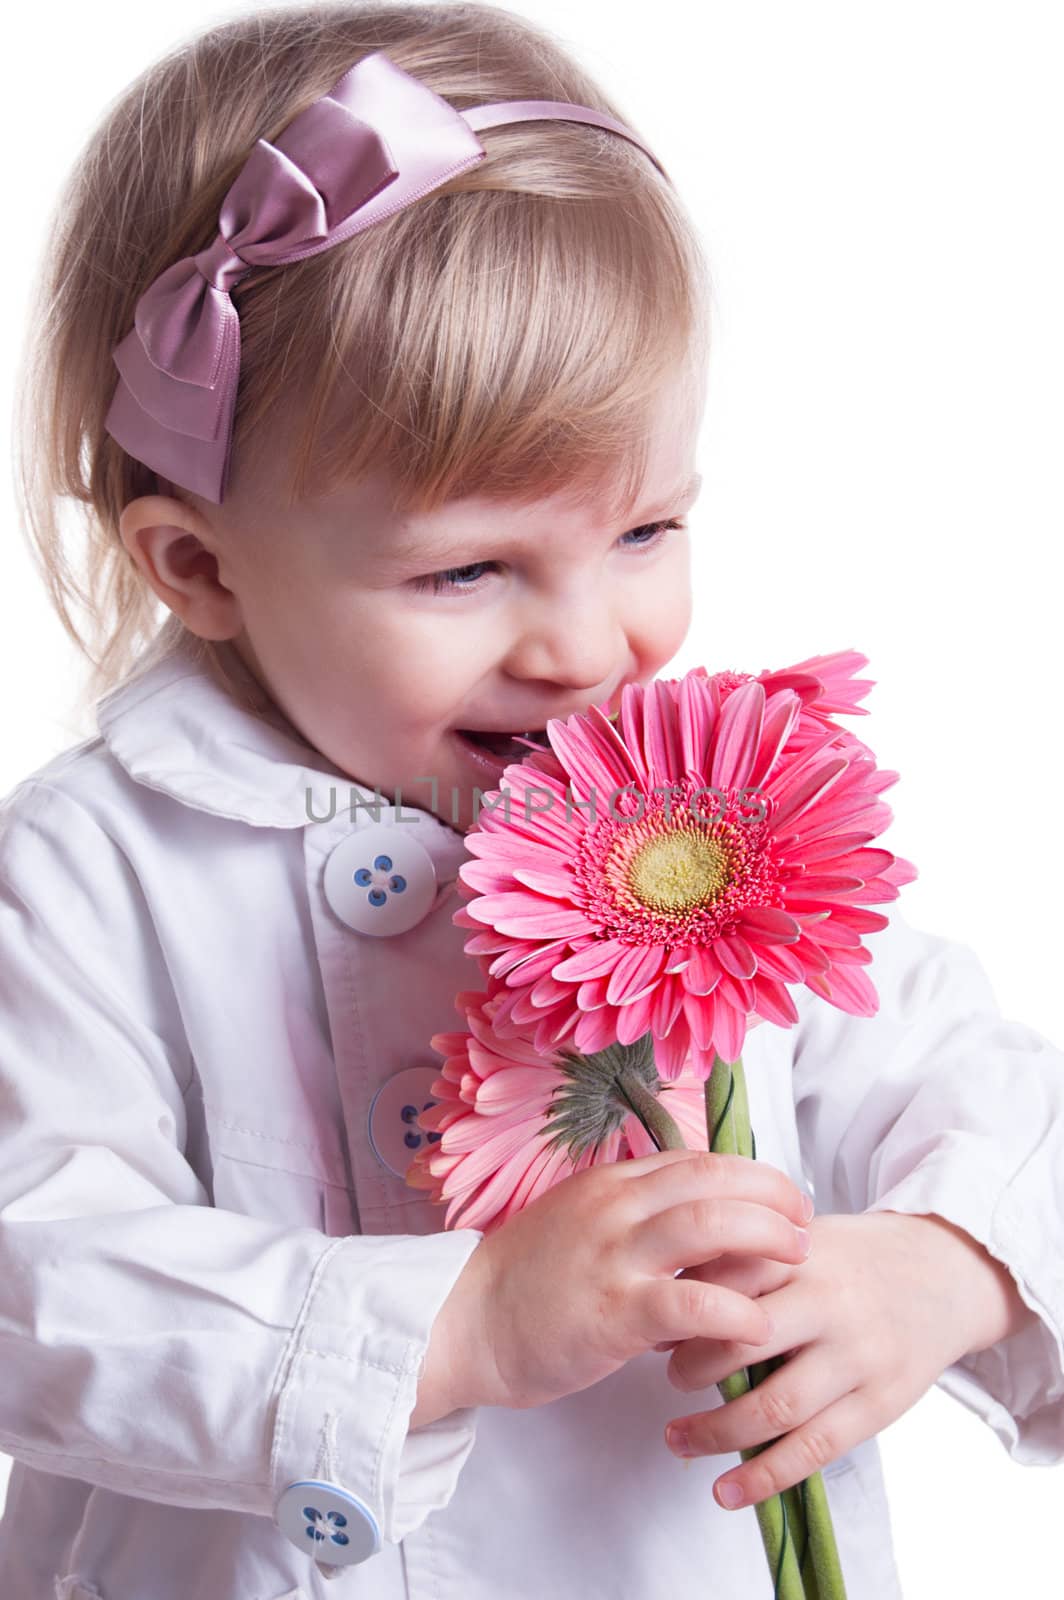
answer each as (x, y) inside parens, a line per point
(514, 1121)
(619, 901)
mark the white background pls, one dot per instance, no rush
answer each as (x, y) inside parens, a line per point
(879, 192)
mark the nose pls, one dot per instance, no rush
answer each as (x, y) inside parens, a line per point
(576, 642)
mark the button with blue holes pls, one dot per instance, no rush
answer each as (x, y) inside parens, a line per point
(393, 1131)
(329, 1523)
(379, 880)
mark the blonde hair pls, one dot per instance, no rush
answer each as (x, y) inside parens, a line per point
(502, 335)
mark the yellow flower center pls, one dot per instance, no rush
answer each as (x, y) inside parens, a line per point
(679, 870)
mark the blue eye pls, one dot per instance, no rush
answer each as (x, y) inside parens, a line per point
(449, 579)
(651, 535)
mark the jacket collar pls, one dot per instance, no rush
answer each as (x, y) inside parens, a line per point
(175, 727)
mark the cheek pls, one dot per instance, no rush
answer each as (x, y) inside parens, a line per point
(681, 621)
(412, 681)
(307, 629)
(432, 661)
(666, 613)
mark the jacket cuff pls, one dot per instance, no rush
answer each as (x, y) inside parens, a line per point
(349, 1378)
(1017, 1385)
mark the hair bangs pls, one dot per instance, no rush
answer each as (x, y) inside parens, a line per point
(488, 342)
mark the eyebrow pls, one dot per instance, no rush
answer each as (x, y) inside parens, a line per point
(678, 500)
(441, 550)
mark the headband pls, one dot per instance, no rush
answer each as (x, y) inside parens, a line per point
(374, 144)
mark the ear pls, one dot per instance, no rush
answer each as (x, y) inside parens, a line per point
(176, 550)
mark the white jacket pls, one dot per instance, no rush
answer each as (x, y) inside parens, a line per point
(215, 1293)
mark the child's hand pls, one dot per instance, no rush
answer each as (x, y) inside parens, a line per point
(885, 1303)
(567, 1290)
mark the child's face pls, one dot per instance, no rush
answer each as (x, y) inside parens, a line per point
(559, 608)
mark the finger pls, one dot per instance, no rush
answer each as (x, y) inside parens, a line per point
(662, 1182)
(684, 1309)
(698, 1230)
(700, 1363)
(752, 1276)
(798, 1421)
(822, 1440)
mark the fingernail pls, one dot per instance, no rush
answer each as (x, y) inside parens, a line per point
(808, 1207)
(731, 1495)
(805, 1241)
(678, 1440)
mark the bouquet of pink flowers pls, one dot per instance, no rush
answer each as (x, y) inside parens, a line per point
(697, 853)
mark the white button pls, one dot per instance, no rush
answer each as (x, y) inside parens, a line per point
(393, 1130)
(330, 1524)
(379, 880)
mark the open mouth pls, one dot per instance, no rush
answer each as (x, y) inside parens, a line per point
(505, 746)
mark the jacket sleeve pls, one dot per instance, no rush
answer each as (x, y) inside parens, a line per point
(152, 1343)
(939, 1104)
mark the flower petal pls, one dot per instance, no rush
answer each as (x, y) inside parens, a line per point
(671, 1050)
(664, 1006)
(529, 916)
(515, 1087)
(768, 925)
(698, 718)
(735, 955)
(632, 1021)
(806, 849)
(782, 711)
(559, 882)
(729, 1031)
(738, 735)
(591, 766)
(535, 960)
(661, 731)
(700, 1012)
(779, 961)
(800, 796)
(680, 956)
(595, 960)
(592, 993)
(631, 720)
(823, 884)
(594, 1030)
(702, 974)
(774, 1002)
(850, 990)
(634, 971)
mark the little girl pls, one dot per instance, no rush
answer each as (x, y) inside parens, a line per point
(392, 400)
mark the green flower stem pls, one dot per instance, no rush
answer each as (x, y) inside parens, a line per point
(823, 1551)
(776, 1516)
(808, 1535)
(650, 1111)
(796, 1497)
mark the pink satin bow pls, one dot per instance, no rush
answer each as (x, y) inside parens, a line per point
(379, 140)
